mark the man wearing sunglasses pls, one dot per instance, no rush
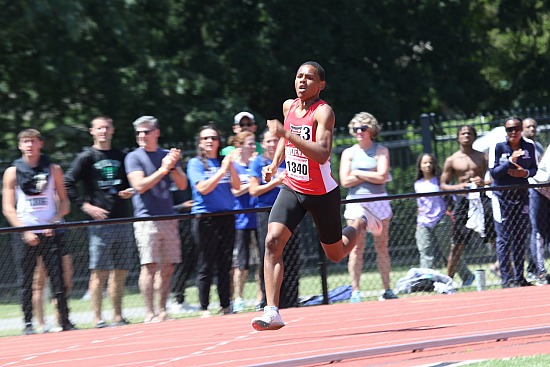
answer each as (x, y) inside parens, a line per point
(511, 163)
(243, 121)
(151, 172)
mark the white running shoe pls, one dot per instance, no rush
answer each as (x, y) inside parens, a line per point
(270, 320)
(238, 305)
(374, 224)
(43, 329)
(355, 297)
(182, 307)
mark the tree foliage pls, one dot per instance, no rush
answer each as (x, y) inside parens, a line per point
(189, 62)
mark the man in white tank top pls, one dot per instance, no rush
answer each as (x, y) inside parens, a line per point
(33, 193)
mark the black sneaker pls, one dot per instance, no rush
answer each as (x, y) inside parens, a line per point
(69, 327)
(121, 322)
(28, 330)
(100, 324)
(227, 311)
(523, 283)
(388, 294)
(260, 305)
(510, 284)
(469, 281)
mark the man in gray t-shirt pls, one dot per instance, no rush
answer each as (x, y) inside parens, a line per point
(151, 171)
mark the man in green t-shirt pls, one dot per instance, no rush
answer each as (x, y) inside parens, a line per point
(243, 121)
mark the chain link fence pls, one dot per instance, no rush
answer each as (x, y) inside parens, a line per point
(307, 273)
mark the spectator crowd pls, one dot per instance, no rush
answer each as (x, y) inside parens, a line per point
(220, 246)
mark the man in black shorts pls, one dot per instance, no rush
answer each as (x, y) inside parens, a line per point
(307, 187)
(467, 168)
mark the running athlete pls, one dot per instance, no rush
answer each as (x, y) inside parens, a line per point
(307, 187)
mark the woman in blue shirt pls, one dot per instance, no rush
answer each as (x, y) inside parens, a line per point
(211, 181)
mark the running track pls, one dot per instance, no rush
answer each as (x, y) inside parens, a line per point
(438, 330)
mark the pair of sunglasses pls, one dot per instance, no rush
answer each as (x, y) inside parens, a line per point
(513, 128)
(146, 132)
(213, 138)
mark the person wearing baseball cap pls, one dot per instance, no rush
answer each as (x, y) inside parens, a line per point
(243, 121)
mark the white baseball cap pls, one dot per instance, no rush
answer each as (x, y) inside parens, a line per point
(241, 115)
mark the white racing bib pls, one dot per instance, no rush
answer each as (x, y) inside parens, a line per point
(297, 168)
(38, 202)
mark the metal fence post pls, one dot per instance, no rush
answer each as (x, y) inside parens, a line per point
(324, 276)
(427, 138)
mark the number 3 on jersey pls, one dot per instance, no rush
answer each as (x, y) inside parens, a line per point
(305, 134)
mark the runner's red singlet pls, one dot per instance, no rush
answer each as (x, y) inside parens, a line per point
(304, 175)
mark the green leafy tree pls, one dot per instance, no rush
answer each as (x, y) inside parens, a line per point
(189, 62)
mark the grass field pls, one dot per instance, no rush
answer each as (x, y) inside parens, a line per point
(542, 360)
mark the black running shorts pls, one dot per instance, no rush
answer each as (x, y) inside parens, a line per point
(291, 207)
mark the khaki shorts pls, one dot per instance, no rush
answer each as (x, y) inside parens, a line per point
(158, 242)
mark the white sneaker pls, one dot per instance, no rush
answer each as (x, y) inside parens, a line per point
(187, 308)
(355, 297)
(270, 320)
(43, 329)
(182, 307)
(238, 305)
(173, 307)
(374, 224)
(531, 277)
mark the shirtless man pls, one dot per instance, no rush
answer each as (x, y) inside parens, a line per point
(466, 168)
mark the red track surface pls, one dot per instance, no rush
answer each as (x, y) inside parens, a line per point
(416, 331)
